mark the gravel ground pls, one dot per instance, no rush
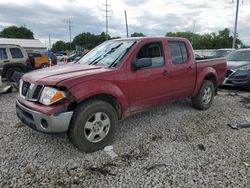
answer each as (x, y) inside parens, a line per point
(171, 146)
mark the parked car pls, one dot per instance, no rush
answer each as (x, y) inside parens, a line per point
(116, 79)
(13, 58)
(238, 73)
(40, 59)
(223, 52)
(60, 57)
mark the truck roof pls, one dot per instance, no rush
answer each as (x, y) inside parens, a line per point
(149, 38)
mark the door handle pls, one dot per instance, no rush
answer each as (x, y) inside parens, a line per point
(189, 68)
(165, 73)
(6, 61)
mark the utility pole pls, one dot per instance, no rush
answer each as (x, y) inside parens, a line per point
(192, 39)
(49, 42)
(126, 20)
(69, 35)
(235, 23)
(107, 11)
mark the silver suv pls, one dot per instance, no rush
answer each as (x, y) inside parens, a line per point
(13, 58)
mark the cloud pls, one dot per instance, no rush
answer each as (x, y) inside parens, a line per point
(151, 17)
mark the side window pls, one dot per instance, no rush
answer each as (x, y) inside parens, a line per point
(3, 54)
(153, 51)
(16, 53)
(178, 52)
(37, 55)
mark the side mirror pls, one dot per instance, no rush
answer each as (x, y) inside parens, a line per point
(141, 63)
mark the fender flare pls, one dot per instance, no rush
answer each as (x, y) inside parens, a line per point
(89, 89)
(203, 75)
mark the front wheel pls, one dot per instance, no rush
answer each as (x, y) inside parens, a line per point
(93, 125)
(11, 71)
(203, 100)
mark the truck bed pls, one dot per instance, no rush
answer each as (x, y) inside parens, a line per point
(218, 64)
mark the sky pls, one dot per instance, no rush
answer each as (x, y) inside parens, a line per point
(151, 17)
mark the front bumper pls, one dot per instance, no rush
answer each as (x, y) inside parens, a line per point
(42, 122)
(238, 78)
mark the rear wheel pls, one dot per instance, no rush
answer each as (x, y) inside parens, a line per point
(93, 125)
(203, 100)
(10, 72)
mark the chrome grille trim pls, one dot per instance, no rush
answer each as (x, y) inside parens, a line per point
(32, 91)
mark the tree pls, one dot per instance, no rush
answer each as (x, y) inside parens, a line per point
(17, 32)
(208, 40)
(89, 40)
(59, 46)
(137, 35)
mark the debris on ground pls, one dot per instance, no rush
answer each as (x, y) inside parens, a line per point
(247, 164)
(6, 89)
(239, 126)
(109, 150)
(100, 170)
(19, 125)
(155, 166)
(201, 147)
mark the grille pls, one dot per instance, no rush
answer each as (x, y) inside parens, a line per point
(37, 92)
(229, 72)
(25, 88)
(30, 91)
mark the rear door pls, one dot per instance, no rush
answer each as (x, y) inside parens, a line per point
(148, 86)
(4, 59)
(183, 74)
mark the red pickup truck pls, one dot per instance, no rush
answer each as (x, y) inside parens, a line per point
(114, 80)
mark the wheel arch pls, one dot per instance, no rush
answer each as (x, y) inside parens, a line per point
(207, 74)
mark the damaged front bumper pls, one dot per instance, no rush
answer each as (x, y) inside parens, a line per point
(42, 122)
(237, 78)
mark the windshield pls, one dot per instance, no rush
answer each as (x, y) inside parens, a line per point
(239, 56)
(107, 54)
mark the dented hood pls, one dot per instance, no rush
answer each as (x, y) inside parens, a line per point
(58, 73)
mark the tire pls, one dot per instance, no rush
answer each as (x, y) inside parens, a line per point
(204, 99)
(44, 66)
(93, 125)
(11, 71)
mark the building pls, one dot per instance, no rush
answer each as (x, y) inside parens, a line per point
(27, 44)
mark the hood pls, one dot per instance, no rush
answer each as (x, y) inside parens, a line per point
(58, 73)
(237, 64)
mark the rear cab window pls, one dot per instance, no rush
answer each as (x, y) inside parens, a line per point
(154, 51)
(178, 51)
(16, 53)
(3, 54)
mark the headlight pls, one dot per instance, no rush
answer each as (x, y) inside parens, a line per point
(247, 67)
(51, 95)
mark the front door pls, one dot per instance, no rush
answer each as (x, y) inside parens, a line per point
(148, 86)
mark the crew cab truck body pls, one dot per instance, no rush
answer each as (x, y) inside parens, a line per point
(116, 79)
